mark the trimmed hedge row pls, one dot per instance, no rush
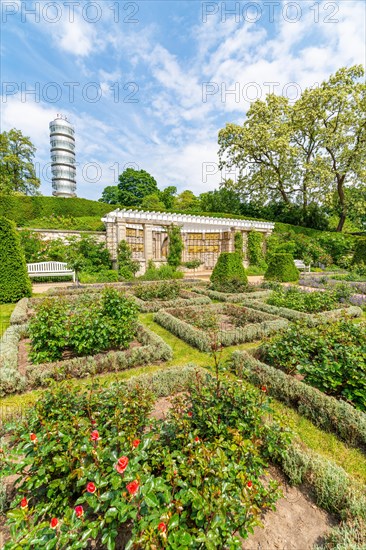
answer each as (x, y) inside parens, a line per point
(311, 319)
(155, 305)
(322, 410)
(153, 349)
(334, 490)
(23, 209)
(233, 298)
(19, 315)
(126, 285)
(255, 330)
(14, 279)
(10, 378)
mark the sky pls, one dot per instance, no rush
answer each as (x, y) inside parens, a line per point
(148, 84)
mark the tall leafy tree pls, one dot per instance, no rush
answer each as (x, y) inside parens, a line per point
(167, 196)
(220, 200)
(17, 171)
(186, 200)
(110, 195)
(134, 185)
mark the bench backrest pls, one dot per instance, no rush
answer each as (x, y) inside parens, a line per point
(48, 267)
(299, 263)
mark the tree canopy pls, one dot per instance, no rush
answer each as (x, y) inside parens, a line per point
(134, 185)
(307, 153)
(17, 171)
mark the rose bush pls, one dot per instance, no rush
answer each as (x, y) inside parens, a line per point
(193, 480)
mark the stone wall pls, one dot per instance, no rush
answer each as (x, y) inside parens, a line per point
(64, 234)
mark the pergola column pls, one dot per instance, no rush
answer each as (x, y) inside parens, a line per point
(148, 242)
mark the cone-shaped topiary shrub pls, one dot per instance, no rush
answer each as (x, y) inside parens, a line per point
(229, 273)
(359, 256)
(14, 280)
(281, 268)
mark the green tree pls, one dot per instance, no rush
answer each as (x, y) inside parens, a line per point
(220, 200)
(127, 267)
(152, 202)
(186, 200)
(14, 279)
(17, 171)
(134, 185)
(110, 195)
(167, 196)
(175, 246)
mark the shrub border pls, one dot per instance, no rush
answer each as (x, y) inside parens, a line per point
(324, 411)
(153, 349)
(19, 314)
(312, 319)
(154, 305)
(199, 339)
(226, 297)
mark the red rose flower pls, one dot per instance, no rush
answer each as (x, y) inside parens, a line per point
(90, 487)
(135, 443)
(93, 421)
(24, 503)
(264, 389)
(94, 435)
(79, 511)
(33, 437)
(162, 527)
(133, 487)
(249, 484)
(197, 439)
(122, 464)
(54, 523)
(190, 414)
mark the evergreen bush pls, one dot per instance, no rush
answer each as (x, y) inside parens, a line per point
(359, 256)
(229, 273)
(281, 268)
(175, 246)
(14, 279)
(255, 251)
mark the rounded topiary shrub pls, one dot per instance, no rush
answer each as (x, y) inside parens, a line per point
(359, 256)
(281, 268)
(229, 273)
(14, 280)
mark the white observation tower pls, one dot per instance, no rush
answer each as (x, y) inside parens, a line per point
(63, 157)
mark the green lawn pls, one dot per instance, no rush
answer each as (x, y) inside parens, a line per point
(328, 445)
(5, 312)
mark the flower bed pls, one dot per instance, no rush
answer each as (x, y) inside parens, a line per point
(224, 324)
(90, 477)
(324, 411)
(254, 293)
(331, 358)
(152, 349)
(305, 301)
(311, 320)
(153, 297)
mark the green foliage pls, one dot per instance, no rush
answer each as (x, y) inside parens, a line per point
(164, 272)
(220, 200)
(193, 264)
(22, 209)
(86, 326)
(229, 274)
(153, 202)
(308, 152)
(309, 302)
(127, 267)
(322, 410)
(17, 172)
(230, 325)
(167, 196)
(80, 223)
(110, 195)
(206, 458)
(281, 268)
(175, 246)
(134, 185)
(239, 244)
(186, 201)
(103, 276)
(359, 257)
(158, 291)
(14, 280)
(255, 249)
(331, 357)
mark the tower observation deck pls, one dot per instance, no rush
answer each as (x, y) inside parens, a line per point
(63, 164)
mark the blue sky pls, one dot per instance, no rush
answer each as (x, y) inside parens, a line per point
(147, 83)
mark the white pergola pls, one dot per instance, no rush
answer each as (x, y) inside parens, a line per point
(153, 228)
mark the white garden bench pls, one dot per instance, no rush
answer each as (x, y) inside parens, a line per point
(50, 269)
(300, 265)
